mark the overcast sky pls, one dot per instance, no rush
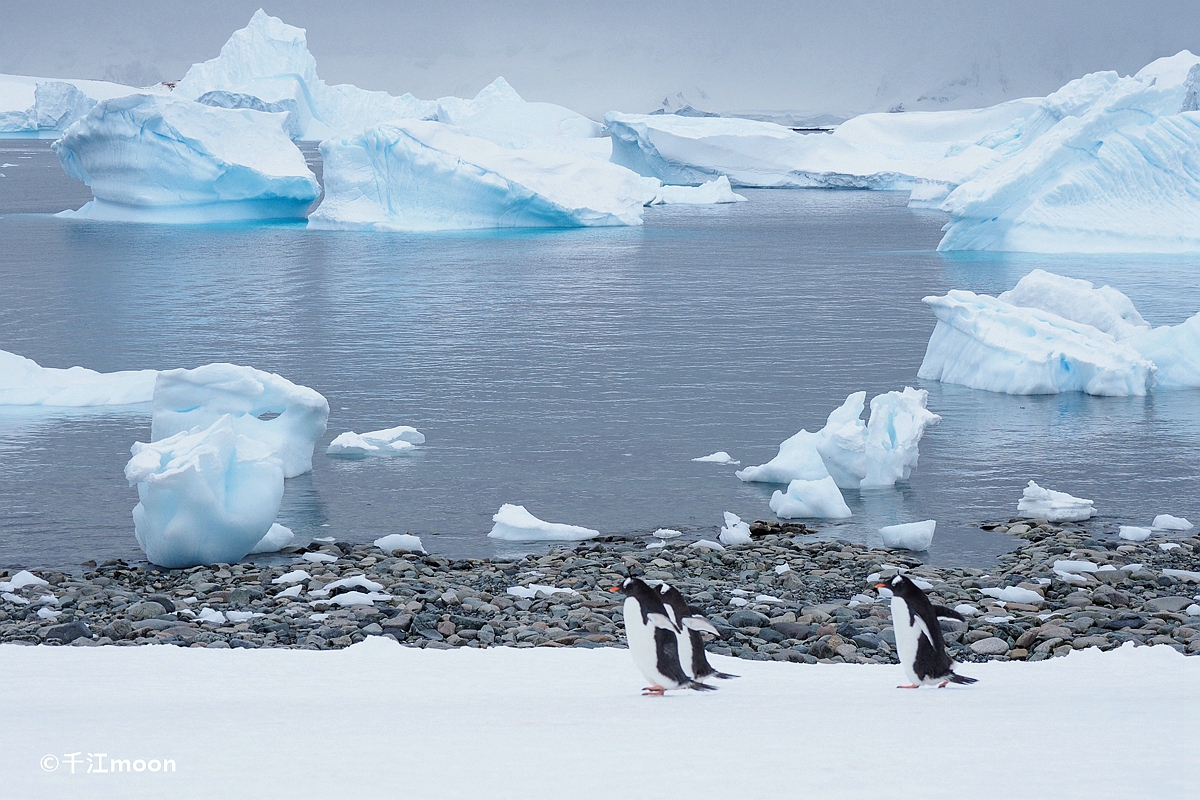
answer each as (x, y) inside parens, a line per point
(827, 56)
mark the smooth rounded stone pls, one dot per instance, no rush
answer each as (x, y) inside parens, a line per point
(67, 632)
(991, 646)
(144, 625)
(219, 644)
(747, 618)
(1089, 641)
(792, 630)
(167, 603)
(1172, 604)
(145, 610)
(867, 641)
(1119, 623)
(1018, 653)
(1051, 632)
(373, 629)
(770, 635)
(1078, 600)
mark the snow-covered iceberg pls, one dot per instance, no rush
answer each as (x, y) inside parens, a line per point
(514, 524)
(916, 536)
(1052, 506)
(45, 107)
(818, 499)
(387, 442)
(24, 383)
(206, 496)
(428, 176)
(269, 60)
(287, 418)
(151, 158)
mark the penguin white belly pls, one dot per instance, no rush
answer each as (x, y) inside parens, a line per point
(640, 637)
(908, 629)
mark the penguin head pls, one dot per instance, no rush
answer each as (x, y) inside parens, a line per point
(635, 587)
(900, 586)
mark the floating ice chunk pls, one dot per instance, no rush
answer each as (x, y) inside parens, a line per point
(817, 499)
(21, 580)
(207, 496)
(1015, 594)
(656, 545)
(292, 591)
(986, 343)
(734, 531)
(1133, 533)
(319, 558)
(1052, 506)
(277, 538)
(668, 533)
(357, 581)
(1166, 522)
(1105, 309)
(719, 457)
(534, 589)
(514, 524)
(1182, 574)
(24, 383)
(708, 544)
(264, 406)
(1175, 351)
(295, 576)
(916, 536)
(211, 616)
(798, 459)
(155, 158)
(400, 543)
(426, 176)
(966, 610)
(712, 192)
(388, 442)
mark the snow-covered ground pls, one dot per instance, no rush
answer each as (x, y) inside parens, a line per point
(381, 720)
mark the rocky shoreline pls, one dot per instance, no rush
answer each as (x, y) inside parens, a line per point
(786, 596)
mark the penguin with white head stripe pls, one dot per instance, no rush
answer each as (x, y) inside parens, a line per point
(691, 623)
(919, 643)
(653, 639)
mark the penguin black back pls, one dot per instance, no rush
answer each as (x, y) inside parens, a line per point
(932, 662)
(700, 667)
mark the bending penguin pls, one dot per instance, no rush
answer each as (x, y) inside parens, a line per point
(691, 622)
(654, 640)
(919, 643)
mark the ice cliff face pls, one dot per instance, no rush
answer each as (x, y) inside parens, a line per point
(46, 107)
(155, 158)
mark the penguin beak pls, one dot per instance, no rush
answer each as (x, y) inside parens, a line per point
(881, 586)
(615, 589)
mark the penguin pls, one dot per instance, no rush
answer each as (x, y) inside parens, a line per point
(654, 640)
(691, 623)
(919, 643)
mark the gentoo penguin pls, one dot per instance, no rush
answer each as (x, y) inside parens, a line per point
(691, 622)
(654, 639)
(919, 643)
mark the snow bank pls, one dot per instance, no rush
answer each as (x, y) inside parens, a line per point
(400, 543)
(207, 496)
(915, 536)
(47, 106)
(1052, 506)
(277, 538)
(263, 406)
(269, 60)
(734, 531)
(387, 442)
(515, 524)
(427, 176)
(24, 383)
(153, 158)
(819, 499)
(712, 192)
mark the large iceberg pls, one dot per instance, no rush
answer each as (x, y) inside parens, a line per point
(206, 496)
(288, 419)
(427, 176)
(151, 158)
(269, 60)
(25, 383)
(45, 107)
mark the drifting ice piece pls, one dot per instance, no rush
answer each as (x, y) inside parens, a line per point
(154, 158)
(24, 383)
(515, 524)
(295, 416)
(207, 496)
(734, 531)
(915, 536)
(1166, 522)
(986, 343)
(712, 192)
(1133, 533)
(819, 499)
(277, 538)
(1052, 506)
(388, 442)
(400, 542)
(426, 176)
(719, 457)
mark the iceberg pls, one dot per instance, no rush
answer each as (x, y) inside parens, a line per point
(1175, 351)
(915, 536)
(719, 457)
(819, 499)
(25, 383)
(269, 60)
(150, 158)
(287, 418)
(1105, 309)
(387, 442)
(206, 496)
(515, 524)
(712, 192)
(428, 176)
(734, 531)
(45, 107)
(1052, 506)
(277, 538)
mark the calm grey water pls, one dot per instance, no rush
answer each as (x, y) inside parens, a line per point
(574, 372)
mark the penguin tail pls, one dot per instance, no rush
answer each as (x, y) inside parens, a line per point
(724, 675)
(955, 678)
(700, 687)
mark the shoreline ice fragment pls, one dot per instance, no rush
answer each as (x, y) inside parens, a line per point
(514, 524)
(1052, 506)
(915, 536)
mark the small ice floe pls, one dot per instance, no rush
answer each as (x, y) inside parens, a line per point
(1075, 566)
(769, 599)
(1004, 618)
(1015, 594)
(20, 581)
(319, 558)
(211, 616)
(916, 536)
(242, 616)
(706, 544)
(357, 581)
(1192, 611)
(318, 617)
(531, 591)
(400, 543)
(714, 192)
(295, 576)
(1182, 574)
(967, 610)
(387, 442)
(45, 612)
(277, 538)
(782, 568)
(1169, 546)
(14, 598)
(514, 524)
(325, 539)
(656, 545)
(352, 598)
(738, 601)
(292, 591)
(810, 499)
(735, 531)
(1052, 506)
(1166, 522)
(1132, 533)
(719, 457)
(668, 533)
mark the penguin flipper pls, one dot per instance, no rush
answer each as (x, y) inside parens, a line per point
(963, 679)
(948, 613)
